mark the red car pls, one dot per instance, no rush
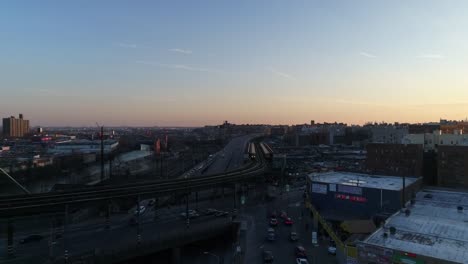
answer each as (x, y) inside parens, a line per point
(273, 221)
(288, 221)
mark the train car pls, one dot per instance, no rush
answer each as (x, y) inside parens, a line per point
(252, 153)
(267, 151)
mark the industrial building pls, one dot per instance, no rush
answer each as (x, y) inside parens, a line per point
(15, 127)
(340, 196)
(83, 146)
(433, 229)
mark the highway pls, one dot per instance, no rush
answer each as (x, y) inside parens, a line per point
(230, 158)
(83, 238)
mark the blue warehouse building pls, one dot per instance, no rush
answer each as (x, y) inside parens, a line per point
(340, 196)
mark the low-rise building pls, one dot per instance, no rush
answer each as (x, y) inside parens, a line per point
(431, 230)
(344, 196)
(83, 146)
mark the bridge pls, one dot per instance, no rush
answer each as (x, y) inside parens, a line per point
(56, 205)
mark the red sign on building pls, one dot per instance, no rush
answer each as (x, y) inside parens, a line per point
(353, 198)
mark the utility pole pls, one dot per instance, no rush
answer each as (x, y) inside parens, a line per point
(102, 153)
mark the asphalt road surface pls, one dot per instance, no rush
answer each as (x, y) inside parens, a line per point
(231, 157)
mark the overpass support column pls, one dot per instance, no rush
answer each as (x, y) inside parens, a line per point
(108, 214)
(10, 238)
(175, 256)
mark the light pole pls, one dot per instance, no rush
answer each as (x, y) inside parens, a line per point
(218, 259)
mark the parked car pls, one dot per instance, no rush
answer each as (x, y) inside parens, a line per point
(293, 236)
(267, 256)
(300, 252)
(31, 238)
(221, 213)
(191, 214)
(142, 210)
(210, 211)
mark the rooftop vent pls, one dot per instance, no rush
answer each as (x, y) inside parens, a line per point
(460, 209)
(413, 201)
(392, 230)
(385, 235)
(428, 196)
(407, 212)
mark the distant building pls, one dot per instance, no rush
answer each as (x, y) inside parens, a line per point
(452, 166)
(277, 130)
(423, 128)
(15, 127)
(395, 159)
(432, 229)
(83, 146)
(388, 133)
(431, 141)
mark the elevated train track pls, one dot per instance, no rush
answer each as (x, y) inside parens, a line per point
(40, 203)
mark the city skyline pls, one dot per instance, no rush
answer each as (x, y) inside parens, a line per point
(70, 64)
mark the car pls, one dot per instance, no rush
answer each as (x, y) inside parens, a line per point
(293, 236)
(191, 214)
(210, 211)
(301, 261)
(267, 256)
(31, 238)
(300, 252)
(288, 221)
(332, 248)
(271, 236)
(141, 211)
(151, 202)
(273, 221)
(221, 214)
(283, 215)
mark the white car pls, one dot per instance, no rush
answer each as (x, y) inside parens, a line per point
(142, 210)
(301, 261)
(332, 249)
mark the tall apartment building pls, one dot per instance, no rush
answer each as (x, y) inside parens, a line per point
(452, 163)
(15, 127)
(395, 159)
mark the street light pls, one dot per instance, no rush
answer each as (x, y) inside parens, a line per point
(213, 255)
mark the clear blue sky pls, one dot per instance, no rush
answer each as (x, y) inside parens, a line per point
(202, 62)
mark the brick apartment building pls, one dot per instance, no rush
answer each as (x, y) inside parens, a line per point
(452, 166)
(395, 159)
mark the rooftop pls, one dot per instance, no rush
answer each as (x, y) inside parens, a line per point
(363, 180)
(435, 227)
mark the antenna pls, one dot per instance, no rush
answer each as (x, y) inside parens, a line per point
(101, 136)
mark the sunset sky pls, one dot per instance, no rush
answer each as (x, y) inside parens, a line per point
(190, 63)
